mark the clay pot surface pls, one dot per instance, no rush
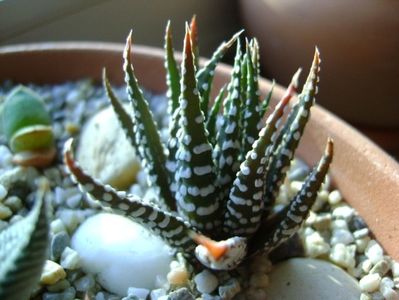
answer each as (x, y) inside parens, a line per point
(359, 42)
(367, 177)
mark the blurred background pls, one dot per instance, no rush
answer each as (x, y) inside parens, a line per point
(358, 40)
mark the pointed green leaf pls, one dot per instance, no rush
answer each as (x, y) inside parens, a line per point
(290, 92)
(150, 148)
(250, 116)
(195, 176)
(169, 227)
(300, 206)
(229, 135)
(123, 115)
(205, 75)
(264, 105)
(254, 46)
(212, 118)
(173, 94)
(194, 40)
(286, 149)
(172, 72)
(245, 204)
(23, 247)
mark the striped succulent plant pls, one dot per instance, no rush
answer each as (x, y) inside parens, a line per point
(219, 173)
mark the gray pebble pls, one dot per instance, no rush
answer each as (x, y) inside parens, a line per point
(356, 223)
(298, 174)
(68, 294)
(59, 242)
(74, 275)
(229, 289)
(86, 283)
(74, 201)
(181, 294)
(342, 236)
(377, 296)
(59, 286)
(210, 297)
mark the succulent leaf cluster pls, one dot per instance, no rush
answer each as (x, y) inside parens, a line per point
(220, 171)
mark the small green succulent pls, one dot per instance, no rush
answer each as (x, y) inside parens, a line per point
(219, 173)
(27, 127)
(23, 251)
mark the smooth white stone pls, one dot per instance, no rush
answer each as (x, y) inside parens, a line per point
(206, 282)
(334, 197)
(121, 253)
(311, 279)
(105, 152)
(374, 251)
(370, 282)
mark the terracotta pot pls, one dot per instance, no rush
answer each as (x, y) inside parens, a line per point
(367, 177)
(359, 42)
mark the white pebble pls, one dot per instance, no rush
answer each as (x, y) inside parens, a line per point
(70, 259)
(342, 236)
(206, 282)
(334, 197)
(386, 282)
(343, 212)
(396, 282)
(121, 253)
(315, 245)
(365, 296)
(374, 251)
(395, 268)
(361, 244)
(296, 186)
(370, 282)
(138, 292)
(366, 265)
(390, 294)
(157, 294)
(343, 256)
(57, 226)
(339, 224)
(377, 296)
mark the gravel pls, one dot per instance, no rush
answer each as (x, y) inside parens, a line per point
(333, 231)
